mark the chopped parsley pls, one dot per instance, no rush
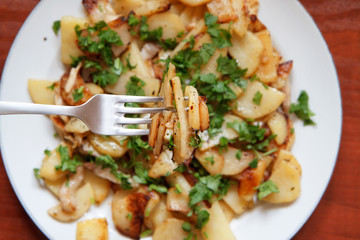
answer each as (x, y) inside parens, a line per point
(67, 163)
(146, 233)
(207, 187)
(56, 27)
(238, 155)
(266, 188)
(302, 110)
(178, 189)
(254, 163)
(155, 35)
(210, 159)
(141, 176)
(171, 144)
(101, 44)
(195, 141)
(221, 38)
(252, 136)
(106, 161)
(47, 152)
(186, 226)
(51, 87)
(257, 98)
(78, 94)
(36, 173)
(135, 86)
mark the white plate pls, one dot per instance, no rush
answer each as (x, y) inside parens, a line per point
(24, 138)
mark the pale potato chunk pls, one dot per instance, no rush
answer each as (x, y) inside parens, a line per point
(92, 229)
(194, 3)
(267, 70)
(140, 7)
(106, 145)
(120, 86)
(47, 170)
(271, 99)
(194, 112)
(163, 165)
(142, 70)
(278, 125)
(100, 186)
(247, 51)
(170, 23)
(75, 125)
(232, 165)
(287, 156)
(234, 201)
(228, 212)
(178, 179)
(240, 25)
(218, 226)
(211, 65)
(94, 88)
(40, 91)
(223, 9)
(211, 160)
(286, 176)
(177, 201)
(68, 38)
(157, 216)
(54, 186)
(84, 197)
(170, 229)
(227, 132)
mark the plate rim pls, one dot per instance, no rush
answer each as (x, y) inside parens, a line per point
(338, 144)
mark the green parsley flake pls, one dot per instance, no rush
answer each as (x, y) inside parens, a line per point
(210, 159)
(67, 163)
(302, 110)
(254, 163)
(178, 189)
(238, 155)
(257, 98)
(129, 216)
(51, 87)
(266, 188)
(56, 27)
(47, 152)
(78, 94)
(36, 173)
(146, 233)
(186, 226)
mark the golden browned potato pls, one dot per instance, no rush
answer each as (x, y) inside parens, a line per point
(128, 211)
(286, 175)
(92, 229)
(278, 125)
(140, 7)
(194, 3)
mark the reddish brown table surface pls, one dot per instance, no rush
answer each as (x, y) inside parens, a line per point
(338, 214)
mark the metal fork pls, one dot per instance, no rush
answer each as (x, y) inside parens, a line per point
(104, 114)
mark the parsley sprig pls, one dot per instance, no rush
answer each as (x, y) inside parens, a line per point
(67, 163)
(302, 110)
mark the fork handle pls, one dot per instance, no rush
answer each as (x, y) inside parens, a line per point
(7, 108)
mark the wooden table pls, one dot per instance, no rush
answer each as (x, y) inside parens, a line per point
(338, 214)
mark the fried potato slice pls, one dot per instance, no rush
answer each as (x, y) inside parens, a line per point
(84, 197)
(92, 229)
(40, 91)
(223, 9)
(140, 7)
(246, 107)
(194, 112)
(211, 160)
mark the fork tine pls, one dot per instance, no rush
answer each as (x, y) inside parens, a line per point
(131, 132)
(124, 120)
(138, 110)
(137, 99)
